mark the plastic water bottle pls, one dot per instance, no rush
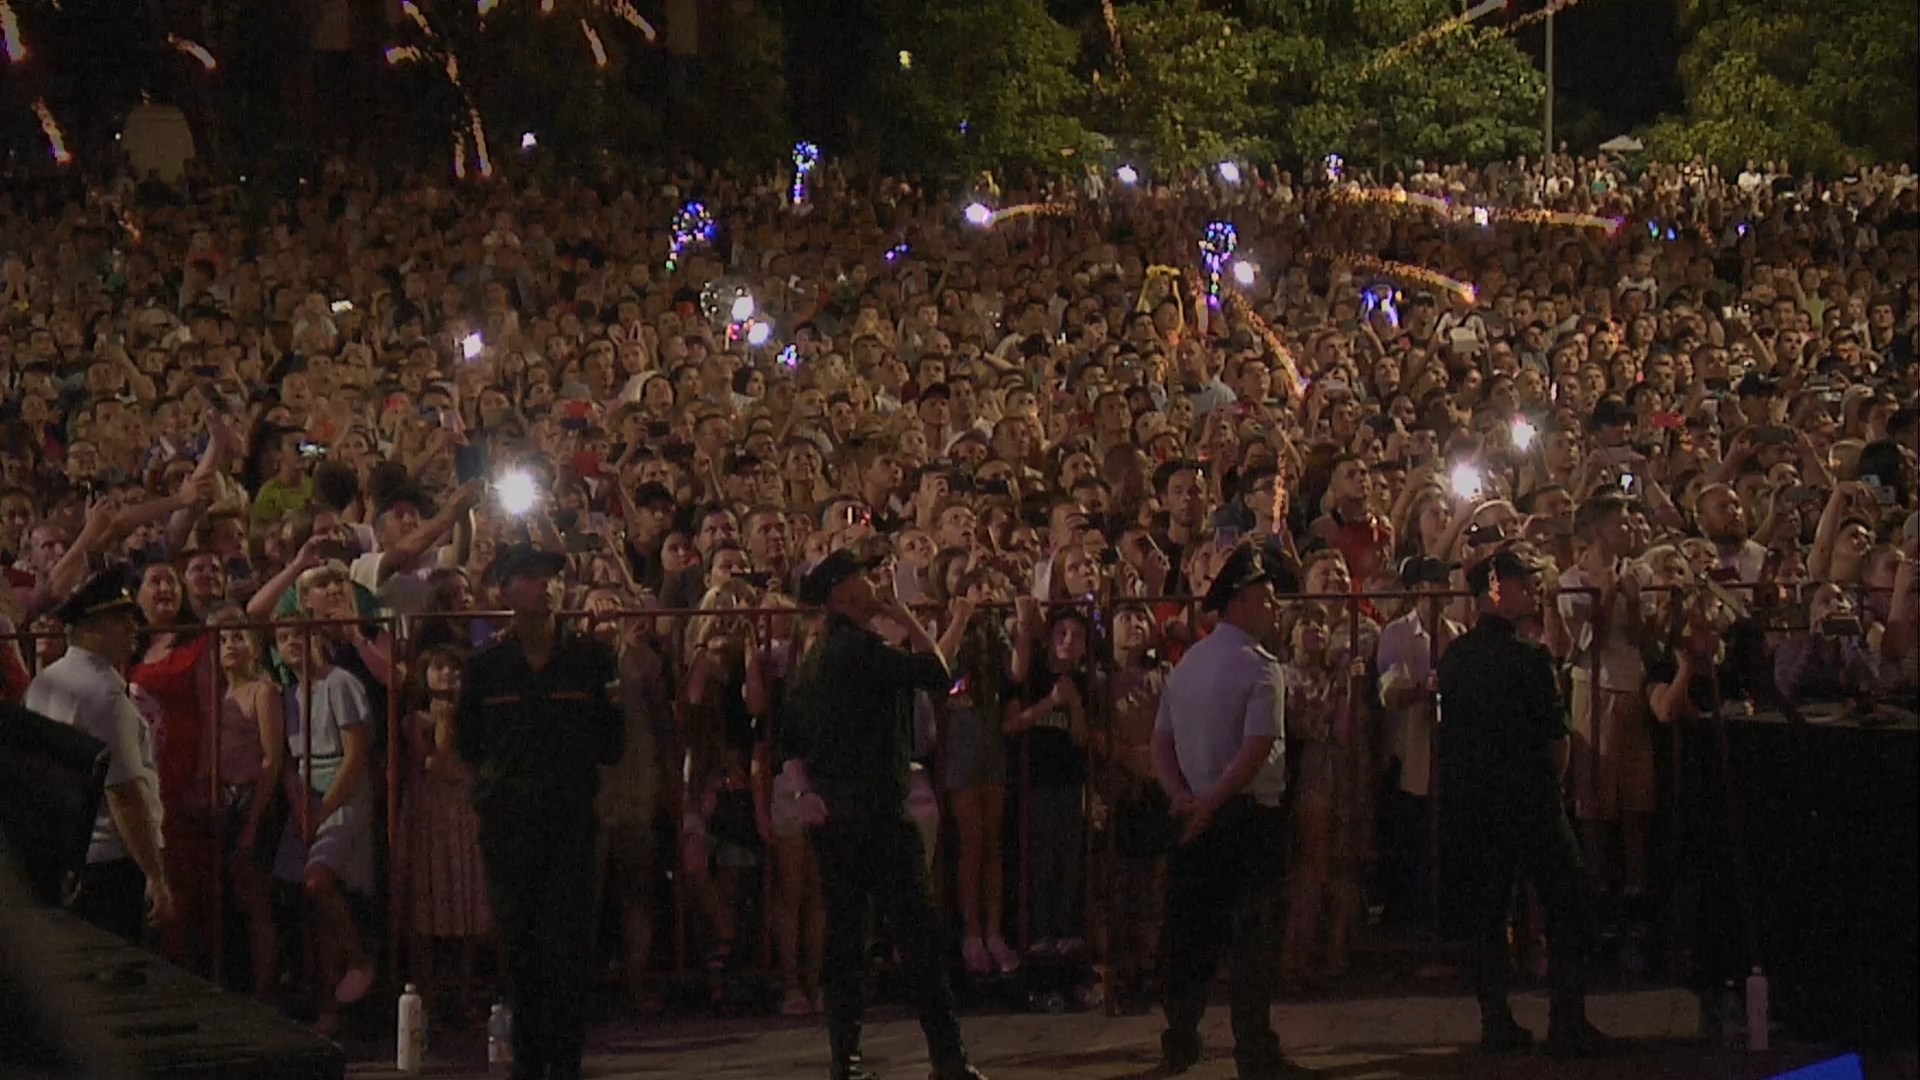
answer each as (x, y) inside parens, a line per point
(411, 1052)
(1730, 1018)
(500, 1040)
(1757, 1011)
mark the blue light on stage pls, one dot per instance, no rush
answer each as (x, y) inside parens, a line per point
(1845, 1067)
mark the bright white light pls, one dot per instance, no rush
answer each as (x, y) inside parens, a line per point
(471, 345)
(1523, 433)
(1481, 216)
(1465, 481)
(979, 215)
(742, 309)
(758, 333)
(1128, 175)
(528, 142)
(1230, 172)
(1244, 272)
(517, 491)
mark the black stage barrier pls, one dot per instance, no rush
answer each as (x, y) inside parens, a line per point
(1829, 810)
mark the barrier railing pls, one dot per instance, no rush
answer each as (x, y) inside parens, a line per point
(665, 631)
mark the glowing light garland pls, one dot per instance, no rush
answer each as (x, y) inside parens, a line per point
(1217, 245)
(460, 155)
(1237, 307)
(11, 42)
(624, 10)
(479, 142)
(991, 218)
(805, 156)
(692, 224)
(1462, 21)
(402, 54)
(1446, 209)
(56, 140)
(1113, 39)
(193, 49)
(593, 43)
(1408, 272)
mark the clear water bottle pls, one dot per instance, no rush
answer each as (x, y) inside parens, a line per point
(1757, 1033)
(1731, 1018)
(411, 1033)
(500, 1040)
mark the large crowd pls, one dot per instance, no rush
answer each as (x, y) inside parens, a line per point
(315, 414)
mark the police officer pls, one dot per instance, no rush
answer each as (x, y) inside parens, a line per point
(539, 714)
(844, 746)
(124, 883)
(1218, 751)
(1501, 740)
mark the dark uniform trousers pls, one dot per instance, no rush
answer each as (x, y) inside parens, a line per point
(1223, 888)
(540, 875)
(876, 864)
(1507, 839)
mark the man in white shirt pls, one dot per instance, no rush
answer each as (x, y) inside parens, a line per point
(1219, 753)
(1607, 629)
(124, 883)
(1408, 687)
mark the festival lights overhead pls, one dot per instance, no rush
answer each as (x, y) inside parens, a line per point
(11, 42)
(56, 140)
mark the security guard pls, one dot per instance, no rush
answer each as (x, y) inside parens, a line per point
(1218, 751)
(539, 714)
(1501, 741)
(844, 747)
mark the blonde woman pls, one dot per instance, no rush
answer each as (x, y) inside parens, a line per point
(725, 696)
(253, 800)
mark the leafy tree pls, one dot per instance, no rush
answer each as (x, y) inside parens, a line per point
(1200, 85)
(1291, 77)
(988, 84)
(1810, 80)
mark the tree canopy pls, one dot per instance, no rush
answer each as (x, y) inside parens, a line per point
(1810, 80)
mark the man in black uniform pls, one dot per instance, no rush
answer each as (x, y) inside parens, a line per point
(538, 716)
(1502, 737)
(844, 745)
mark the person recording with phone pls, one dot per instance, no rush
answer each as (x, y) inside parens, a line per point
(844, 747)
(1830, 660)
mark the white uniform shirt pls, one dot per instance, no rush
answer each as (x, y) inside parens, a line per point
(1226, 690)
(82, 690)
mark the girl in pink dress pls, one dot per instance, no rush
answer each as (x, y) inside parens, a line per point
(445, 879)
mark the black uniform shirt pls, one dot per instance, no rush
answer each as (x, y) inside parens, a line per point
(849, 717)
(1501, 713)
(536, 739)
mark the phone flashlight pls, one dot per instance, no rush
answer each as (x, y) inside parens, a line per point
(516, 491)
(1466, 481)
(1523, 433)
(471, 345)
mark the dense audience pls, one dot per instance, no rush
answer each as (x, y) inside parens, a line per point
(325, 406)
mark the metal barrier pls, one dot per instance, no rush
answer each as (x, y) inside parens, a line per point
(668, 627)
